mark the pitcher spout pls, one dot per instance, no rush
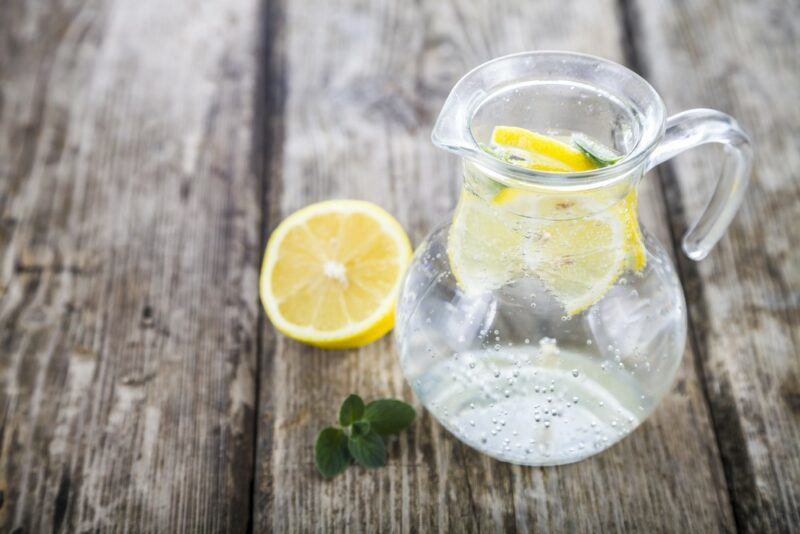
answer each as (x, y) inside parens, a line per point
(451, 131)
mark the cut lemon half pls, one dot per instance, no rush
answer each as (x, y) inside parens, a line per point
(332, 271)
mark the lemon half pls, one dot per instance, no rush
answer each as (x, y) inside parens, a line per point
(331, 273)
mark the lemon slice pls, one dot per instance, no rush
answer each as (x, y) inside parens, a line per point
(482, 246)
(332, 271)
(546, 204)
(634, 241)
(579, 259)
(579, 244)
(546, 153)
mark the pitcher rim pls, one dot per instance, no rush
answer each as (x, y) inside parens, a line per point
(595, 177)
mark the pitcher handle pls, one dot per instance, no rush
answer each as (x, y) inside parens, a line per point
(697, 127)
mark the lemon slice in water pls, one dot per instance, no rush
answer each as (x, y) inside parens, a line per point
(576, 243)
(578, 259)
(546, 153)
(483, 248)
(580, 242)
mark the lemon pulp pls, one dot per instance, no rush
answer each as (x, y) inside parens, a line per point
(331, 273)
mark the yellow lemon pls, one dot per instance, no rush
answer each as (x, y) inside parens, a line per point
(578, 245)
(545, 153)
(331, 273)
(578, 259)
(483, 248)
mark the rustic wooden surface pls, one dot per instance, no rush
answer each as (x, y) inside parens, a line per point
(743, 58)
(148, 148)
(128, 257)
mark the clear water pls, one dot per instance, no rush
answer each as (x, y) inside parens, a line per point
(511, 375)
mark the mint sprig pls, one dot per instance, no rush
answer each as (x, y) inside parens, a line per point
(362, 436)
(389, 416)
(330, 452)
(351, 411)
(600, 154)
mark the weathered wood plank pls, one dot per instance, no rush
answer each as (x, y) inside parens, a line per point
(742, 58)
(128, 260)
(364, 82)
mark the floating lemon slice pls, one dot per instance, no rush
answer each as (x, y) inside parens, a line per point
(627, 211)
(576, 243)
(546, 153)
(331, 273)
(579, 259)
(483, 248)
(579, 244)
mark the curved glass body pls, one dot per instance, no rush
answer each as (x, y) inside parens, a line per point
(508, 351)
(511, 374)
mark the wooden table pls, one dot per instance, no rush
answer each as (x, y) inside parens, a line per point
(147, 149)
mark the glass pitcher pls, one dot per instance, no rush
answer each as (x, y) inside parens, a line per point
(541, 324)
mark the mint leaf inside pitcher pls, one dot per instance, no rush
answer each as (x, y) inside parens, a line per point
(598, 152)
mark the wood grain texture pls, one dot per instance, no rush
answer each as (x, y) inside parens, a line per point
(137, 140)
(362, 83)
(742, 58)
(128, 256)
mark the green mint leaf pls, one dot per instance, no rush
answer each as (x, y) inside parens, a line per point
(361, 428)
(389, 416)
(352, 409)
(331, 453)
(368, 449)
(600, 154)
